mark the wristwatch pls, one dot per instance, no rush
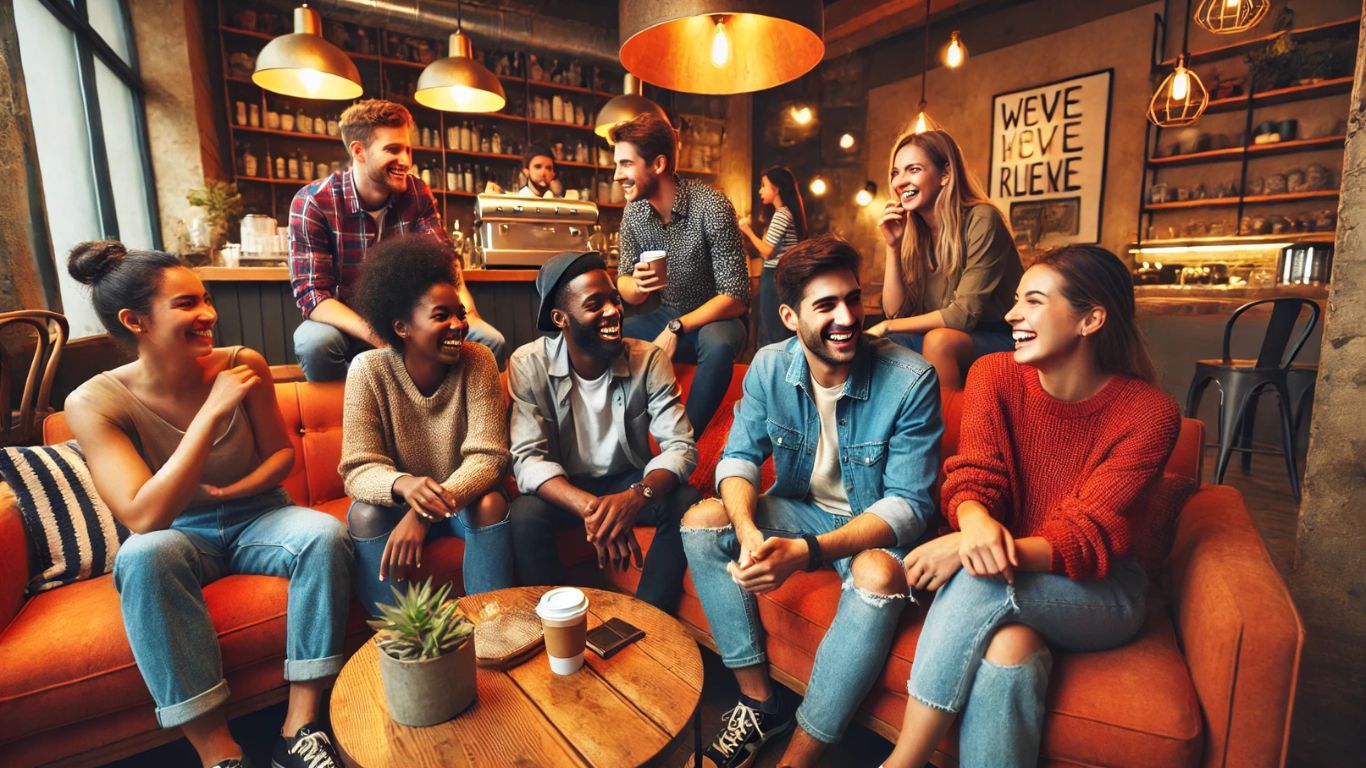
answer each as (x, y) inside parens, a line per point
(675, 327)
(644, 489)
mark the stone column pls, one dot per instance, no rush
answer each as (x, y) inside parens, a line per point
(1329, 578)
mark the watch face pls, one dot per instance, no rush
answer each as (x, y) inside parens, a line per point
(676, 326)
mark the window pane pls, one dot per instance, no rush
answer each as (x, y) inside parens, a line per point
(47, 51)
(125, 158)
(107, 19)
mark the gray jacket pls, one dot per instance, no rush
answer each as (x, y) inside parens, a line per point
(646, 401)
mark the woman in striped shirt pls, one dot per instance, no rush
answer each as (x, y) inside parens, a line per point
(778, 188)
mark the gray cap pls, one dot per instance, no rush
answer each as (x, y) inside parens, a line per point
(552, 274)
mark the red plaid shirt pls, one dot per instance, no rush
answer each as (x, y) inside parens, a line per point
(329, 233)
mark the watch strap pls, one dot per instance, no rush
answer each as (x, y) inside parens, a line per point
(814, 546)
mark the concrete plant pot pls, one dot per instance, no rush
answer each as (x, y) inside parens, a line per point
(429, 691)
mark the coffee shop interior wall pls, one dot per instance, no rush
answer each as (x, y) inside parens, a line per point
(873, 94)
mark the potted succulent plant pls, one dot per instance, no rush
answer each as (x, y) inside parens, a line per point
(426, 658)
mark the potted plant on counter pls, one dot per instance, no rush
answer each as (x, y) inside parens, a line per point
(426, 658)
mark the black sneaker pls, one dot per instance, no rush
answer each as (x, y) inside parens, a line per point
(232, 762)
(309, 748)
(744, 732)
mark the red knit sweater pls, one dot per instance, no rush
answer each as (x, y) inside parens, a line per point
(1086, 476)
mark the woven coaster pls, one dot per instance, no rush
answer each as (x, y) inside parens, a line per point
(507, 638)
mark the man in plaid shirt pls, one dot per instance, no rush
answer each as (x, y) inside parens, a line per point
(334, 221)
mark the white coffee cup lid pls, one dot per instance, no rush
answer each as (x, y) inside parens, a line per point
(562, 603)
(653, 255)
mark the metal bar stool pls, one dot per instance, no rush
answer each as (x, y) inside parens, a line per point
(1241, 383)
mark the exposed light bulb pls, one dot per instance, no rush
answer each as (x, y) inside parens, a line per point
(863, 198)
(720, 45)
(956, 53)
(1181, 85)
(818, 186)
(847, 141)
(312, 79)
(921, 123)
(1231, 4)
(801, 115)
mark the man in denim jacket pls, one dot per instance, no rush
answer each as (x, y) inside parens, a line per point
(853, 426)
(585, 402)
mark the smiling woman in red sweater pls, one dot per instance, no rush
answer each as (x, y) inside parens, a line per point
(1057, 499)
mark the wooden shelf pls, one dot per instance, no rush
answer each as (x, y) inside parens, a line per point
(484, 155)
(1304, 34)
(549, 86)
(1227, 202)
(246, 32)
(300, 183)
(1248, 240)
(1257, 150)
(560, 124)
(1329, 87)
(288, 134)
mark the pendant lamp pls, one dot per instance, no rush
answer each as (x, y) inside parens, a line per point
(1181, 98)
(923, 121)
(955, 53)
(305, 65)
(458, 83)
(1229, 17)
(621, 108)
(716, 47)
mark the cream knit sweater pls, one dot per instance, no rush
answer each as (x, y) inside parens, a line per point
(458, 436)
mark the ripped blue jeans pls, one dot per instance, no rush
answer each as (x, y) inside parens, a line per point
(1003, 707)
(854, 648)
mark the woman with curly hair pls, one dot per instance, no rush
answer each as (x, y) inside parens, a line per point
(424, 430)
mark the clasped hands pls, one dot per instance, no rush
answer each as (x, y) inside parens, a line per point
(766, 563)
(608, 523)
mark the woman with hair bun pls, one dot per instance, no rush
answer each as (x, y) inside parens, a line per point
(1058, 501)
(187, 448)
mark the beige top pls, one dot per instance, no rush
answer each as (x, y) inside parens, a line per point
(232, 456)
(827, 479)
(984, 290)
(458, 435)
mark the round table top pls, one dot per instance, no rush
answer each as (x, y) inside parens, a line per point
(614, 712)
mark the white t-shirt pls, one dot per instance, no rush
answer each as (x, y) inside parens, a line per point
(597, 451)
(827, 482)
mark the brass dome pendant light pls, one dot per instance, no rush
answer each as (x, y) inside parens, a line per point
(621, 108)
(1181, 98)
(923, 121)
(305, 65)
(1229, 17)
(721, 47)
(458, 83)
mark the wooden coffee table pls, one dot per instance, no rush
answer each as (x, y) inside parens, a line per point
(615, 712)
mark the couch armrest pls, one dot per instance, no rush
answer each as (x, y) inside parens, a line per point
(1238, 628)
(14, 563)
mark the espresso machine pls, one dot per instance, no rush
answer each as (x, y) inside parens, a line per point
(523, 231)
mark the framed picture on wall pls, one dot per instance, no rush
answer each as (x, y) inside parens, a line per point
(1047, 158)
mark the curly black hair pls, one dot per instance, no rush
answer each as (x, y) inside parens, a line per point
(395, 275)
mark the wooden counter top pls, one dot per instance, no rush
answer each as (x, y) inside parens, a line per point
(281, 274)
(1209, 299)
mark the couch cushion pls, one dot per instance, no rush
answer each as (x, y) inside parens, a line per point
(320, 418)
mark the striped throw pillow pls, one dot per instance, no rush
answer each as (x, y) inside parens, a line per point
(72, 534)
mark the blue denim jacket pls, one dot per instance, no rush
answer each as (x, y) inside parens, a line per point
(889, 429)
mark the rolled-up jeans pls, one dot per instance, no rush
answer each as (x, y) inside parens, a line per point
(1003, 707)
(854, 648)
(487, 564)
(160, 577)
(325, 351)
(713, 347)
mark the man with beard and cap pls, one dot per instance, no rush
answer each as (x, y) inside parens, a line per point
(585, 402)
(334, 221)
(853, 426)
(705, 293)
(538, 163)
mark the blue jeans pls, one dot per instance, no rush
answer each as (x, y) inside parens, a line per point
(986, 339)
(535, 522)
(713, 347)
(771, 328)
(325, 351)
(853, 650)
(1003, 707)
(488, 550)
(160, 577)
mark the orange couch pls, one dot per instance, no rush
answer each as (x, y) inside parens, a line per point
(1209, 681)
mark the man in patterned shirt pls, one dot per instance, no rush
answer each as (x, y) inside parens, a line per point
(705, 295)
(334, 221)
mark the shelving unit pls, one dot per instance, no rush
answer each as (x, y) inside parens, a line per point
(1249, 103)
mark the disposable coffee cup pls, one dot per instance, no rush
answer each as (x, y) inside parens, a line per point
(564, 619)
(657, 263)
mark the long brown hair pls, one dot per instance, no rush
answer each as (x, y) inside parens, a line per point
(786, 184)
(1093, 277)
(960, 193)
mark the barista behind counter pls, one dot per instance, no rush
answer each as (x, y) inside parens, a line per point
(538, 163)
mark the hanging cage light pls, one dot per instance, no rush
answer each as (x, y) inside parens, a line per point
(304, 64)
(1180, 99)
(1229, 17)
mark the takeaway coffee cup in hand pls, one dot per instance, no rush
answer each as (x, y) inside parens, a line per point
(564, 619)
(657, 264)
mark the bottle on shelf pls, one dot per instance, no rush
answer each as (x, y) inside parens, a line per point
(293, 165)
(469, 179)
(497, 143)
(248, 163)
(451, 186)
(270, 166)
(280, 167)
(485, 145)
(306, 166)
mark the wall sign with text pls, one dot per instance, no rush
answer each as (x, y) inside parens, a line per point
(1048, 147)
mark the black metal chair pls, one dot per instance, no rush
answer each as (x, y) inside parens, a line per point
(1241, 383)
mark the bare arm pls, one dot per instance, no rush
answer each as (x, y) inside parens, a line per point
(916, 324)
(337, 314)
(893, 284)
(764, 247)
(719, 307)
(272, 443)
